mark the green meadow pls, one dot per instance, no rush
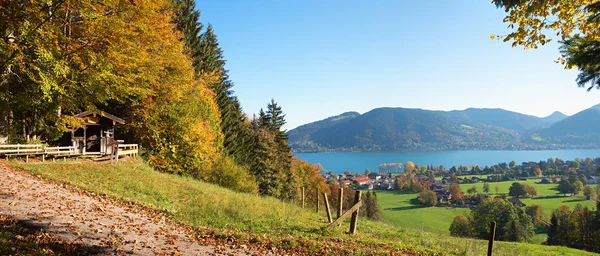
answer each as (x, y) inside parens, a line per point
(403, 210)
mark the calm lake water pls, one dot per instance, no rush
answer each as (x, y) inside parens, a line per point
(359, 161)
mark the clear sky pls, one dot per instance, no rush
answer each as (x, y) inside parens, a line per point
(322, 58)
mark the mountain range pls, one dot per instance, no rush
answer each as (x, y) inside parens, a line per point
(406, 129)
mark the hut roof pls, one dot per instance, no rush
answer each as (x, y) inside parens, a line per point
(101, 113)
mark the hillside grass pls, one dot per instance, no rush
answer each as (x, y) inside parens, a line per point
(255, 218)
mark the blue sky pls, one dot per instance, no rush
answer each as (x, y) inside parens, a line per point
(323, 58)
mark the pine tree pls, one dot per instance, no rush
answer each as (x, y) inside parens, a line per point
(552, 231)
(207, 57)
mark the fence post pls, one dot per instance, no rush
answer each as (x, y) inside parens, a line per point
(492, 237)
(327, 207)
(302, 197)
(317, 194)
(340, 202)
(354, 219)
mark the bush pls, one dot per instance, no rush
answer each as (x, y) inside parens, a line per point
(462, 226)
(536, 212)
(589, 192)
(513, 224)
(530, 190)
(226, 173)
(517, 190)
(427, 198)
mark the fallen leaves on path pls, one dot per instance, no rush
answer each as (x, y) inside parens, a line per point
(97, 224)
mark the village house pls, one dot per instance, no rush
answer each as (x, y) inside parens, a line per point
(361, 180)
(374, 176)
(591, 179)
(345, 183)
(443, 196)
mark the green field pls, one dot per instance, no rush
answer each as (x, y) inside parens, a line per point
(270, 222)
(548, 195)
(402, 209)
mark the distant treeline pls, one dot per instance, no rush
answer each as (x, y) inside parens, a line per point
(504, 170)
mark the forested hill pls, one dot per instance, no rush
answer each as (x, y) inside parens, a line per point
(581, 128)
(386, 129)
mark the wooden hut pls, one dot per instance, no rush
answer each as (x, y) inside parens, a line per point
(97, 135)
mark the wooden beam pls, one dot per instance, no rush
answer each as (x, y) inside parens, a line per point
(317, 195)
(302, 197)
(327, 208)
(492, 237)
(344, 216)
(340, 202)
(354, 219)
(84, 140)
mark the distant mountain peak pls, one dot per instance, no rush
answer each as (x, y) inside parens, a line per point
(555, 117)
(555, 114)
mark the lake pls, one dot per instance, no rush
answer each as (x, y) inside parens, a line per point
(357, 162)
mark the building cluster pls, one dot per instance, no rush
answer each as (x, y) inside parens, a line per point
(379, 181)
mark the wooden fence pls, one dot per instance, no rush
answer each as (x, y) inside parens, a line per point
(19, 149)
(127, 150)
(353, 211)
(28, 150)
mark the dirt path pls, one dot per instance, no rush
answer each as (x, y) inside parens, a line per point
(100, 226)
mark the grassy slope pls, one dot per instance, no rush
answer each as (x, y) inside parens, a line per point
(251, 217)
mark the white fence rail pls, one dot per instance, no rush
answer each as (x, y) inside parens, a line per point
(59, 150)
(127, 149)
(18, 149)
(65, 151)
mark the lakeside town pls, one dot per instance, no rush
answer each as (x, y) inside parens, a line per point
(439, 180)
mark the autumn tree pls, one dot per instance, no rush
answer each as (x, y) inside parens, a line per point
(409, 167)
(537, 171)
(530, 190)
(574, 22)
(462, 226)
(123, 57)
(536, 212)
(517, 190)
(207, 57)
(427, 198)
(589, 192)
(456, 192)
